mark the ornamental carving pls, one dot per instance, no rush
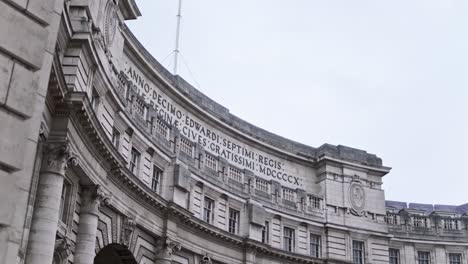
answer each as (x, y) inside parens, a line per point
(357, 196)
(57, 158)
(128, 227)
(166, 247)
(110, 23)
(63, 249)
(206, 259)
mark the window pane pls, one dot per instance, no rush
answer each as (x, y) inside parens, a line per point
(266, 232)
(156, 179)
(454, 258)
(358, 252)
(233, 220)
(423, 257)
(394, 256)
(288, 239)
(315, 245)
(134, 160)
(208, 210)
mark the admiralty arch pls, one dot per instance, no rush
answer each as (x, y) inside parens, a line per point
(106, 157)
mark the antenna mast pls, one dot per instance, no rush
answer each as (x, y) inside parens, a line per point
(176, 50)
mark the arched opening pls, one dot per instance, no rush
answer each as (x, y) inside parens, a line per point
(114, 254)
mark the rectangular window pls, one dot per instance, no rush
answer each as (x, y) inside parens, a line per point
(211, 162)
(358, 252)
(156, 179)
(64, 199)
(394, 255)
(208, 207)
(288, 239)
(424, 257)
(266, 233)
(233, 221)
(455, 258)
(315, 245)
(115, 138)
(134, 161)
(261, 185)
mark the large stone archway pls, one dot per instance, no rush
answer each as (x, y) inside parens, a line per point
(114, 254)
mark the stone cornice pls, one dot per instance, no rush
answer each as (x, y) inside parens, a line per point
(129, 9)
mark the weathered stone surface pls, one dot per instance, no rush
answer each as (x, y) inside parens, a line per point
(20, 4)
(6, 67)
(41, 10)
(7, 197)
(21, 93)
(26, 42)
(12, 136)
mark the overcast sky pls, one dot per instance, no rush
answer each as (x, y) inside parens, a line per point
(388, 77)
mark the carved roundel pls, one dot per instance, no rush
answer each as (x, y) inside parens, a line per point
(110, 25)
(357, 196)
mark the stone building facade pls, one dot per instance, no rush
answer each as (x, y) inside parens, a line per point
(106, 157)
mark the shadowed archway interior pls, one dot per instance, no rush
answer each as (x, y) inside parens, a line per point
(114, 254)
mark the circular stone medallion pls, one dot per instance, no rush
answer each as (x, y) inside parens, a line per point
(357, 197)
(110, 25)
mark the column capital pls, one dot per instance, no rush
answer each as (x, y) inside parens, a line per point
(166, 246)
(93, 197)
(57, 157)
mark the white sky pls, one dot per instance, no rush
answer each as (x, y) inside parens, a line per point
(388, 77)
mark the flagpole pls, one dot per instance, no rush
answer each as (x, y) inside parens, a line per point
(176, 49)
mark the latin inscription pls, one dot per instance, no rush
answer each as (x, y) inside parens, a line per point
(211, 140)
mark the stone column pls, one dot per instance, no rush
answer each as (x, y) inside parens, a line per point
(166, 246)
(92, 197)
(57, 157)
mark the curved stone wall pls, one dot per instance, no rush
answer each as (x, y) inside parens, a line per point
(137, 166)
